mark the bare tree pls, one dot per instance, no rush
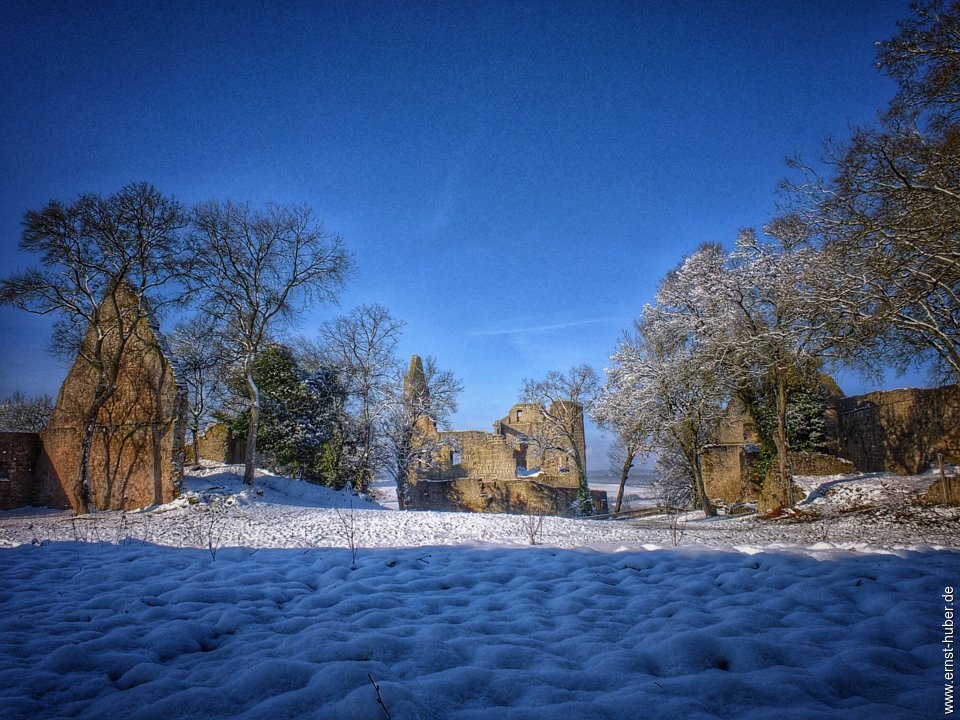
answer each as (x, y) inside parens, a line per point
(201, 361)
(362, 345)
(254, 269)
(564, 399)
(18, 413)
(106, 264)
(924, 59)
(421, 403)
(886, 218)
(673, 488)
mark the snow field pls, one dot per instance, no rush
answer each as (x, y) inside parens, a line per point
(136, 631)
(232, 602)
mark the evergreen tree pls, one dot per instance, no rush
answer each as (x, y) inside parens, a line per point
(298, 432)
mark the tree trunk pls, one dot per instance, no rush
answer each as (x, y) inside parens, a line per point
(624, 473)
(583, 496)
(254, 395)
(196, 444)
(584, 499)
(784, 479)
(81, 488)
(403, 481)
(700, 489)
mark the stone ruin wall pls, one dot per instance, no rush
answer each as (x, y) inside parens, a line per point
(217, 444)
(468, 494)
(481, 475)
(900, 431)
(897, 431)
(137, 454)
(26, 477)
(138, 447)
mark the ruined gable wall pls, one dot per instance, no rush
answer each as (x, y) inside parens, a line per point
(138, 446)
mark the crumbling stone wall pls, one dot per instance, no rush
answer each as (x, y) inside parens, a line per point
(945, 491)
(501, 496)
(820, 464)
(895, 431)
(216, 444)
(726, 473)
(900, 430)
(26, 477)
(138, 447)
(486, 472)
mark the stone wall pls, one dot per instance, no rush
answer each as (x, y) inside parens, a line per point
(218, 445)
(895, 431)
(820, 464)
(945, 491)
(26, 477)
(487, 472)
(900, 430)
(137, 454)
(726, 473)
(516, 496)
(526, 421)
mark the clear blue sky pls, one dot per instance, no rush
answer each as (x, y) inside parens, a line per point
(513, 178)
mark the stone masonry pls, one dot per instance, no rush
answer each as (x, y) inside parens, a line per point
(502, 471)
(138, 447)
(900, 431)
(26, 477)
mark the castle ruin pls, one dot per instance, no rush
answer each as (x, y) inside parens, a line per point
(506, 470)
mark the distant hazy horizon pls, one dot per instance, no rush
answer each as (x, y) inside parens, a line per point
(638, 476)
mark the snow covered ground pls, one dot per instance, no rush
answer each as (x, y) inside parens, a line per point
(232, 602)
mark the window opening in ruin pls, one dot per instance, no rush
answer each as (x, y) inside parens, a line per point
(455, 457)
(519, 415)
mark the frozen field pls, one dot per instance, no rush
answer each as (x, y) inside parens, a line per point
(229, 603)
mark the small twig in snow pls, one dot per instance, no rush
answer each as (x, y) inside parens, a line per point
(379, 697)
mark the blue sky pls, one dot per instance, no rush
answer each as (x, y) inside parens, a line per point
(513, 178)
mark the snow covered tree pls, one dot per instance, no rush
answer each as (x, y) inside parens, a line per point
(673, 487)
(362, 345)
(421, 402)
(254, 269)
(632, 433)
(768, 330)
(18, 413)
(96, 254)
(564, 400)
(667, 378)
